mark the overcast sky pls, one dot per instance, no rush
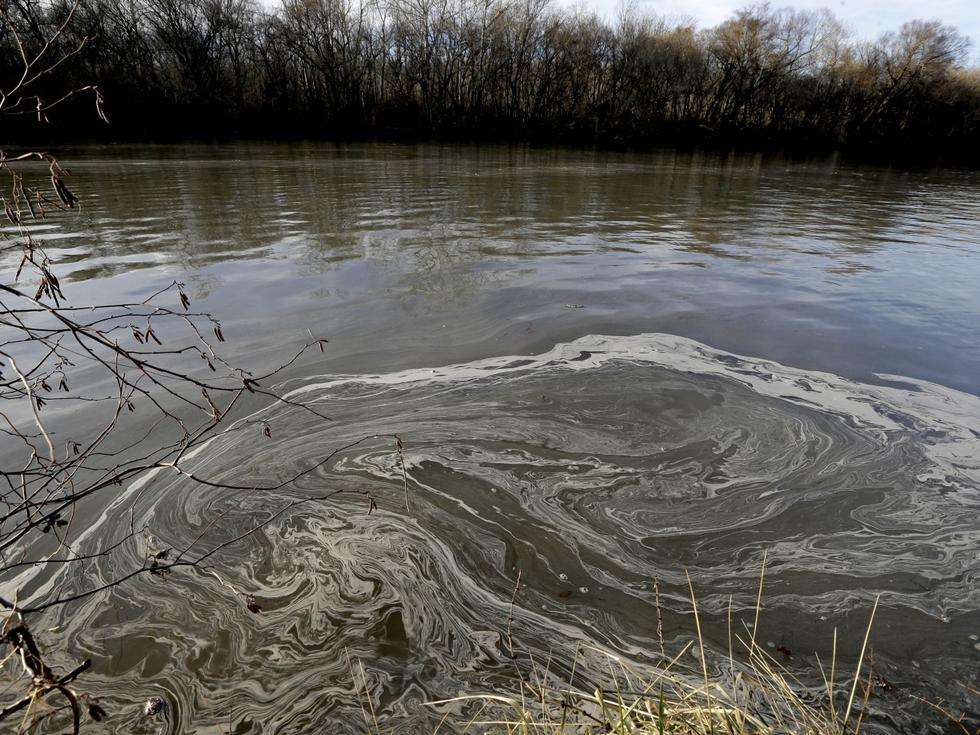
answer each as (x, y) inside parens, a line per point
(866, 18)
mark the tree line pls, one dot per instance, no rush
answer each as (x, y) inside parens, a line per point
(507, 69)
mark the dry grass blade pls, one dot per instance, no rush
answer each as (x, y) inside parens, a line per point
(752, 694)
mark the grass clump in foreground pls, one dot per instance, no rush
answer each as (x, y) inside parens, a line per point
(751, 693)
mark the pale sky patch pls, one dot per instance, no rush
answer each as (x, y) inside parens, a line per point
(866, 19)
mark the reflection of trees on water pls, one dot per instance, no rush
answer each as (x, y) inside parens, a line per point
(448, 220)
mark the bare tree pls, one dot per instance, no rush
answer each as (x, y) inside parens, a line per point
(516, 68)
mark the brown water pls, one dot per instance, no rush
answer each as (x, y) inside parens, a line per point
(606, 368)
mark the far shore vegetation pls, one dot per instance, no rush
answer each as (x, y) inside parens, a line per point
(508, 70)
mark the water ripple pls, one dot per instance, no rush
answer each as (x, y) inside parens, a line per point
(593, 469)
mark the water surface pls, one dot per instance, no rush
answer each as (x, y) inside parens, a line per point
(607, 368)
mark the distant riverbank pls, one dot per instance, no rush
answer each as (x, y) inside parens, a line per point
(503, 71)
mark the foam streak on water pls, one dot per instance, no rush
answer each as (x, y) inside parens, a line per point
(593, 468)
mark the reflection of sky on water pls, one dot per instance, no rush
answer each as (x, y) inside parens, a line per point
(465, 251)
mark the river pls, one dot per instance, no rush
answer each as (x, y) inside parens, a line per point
(606, 368)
